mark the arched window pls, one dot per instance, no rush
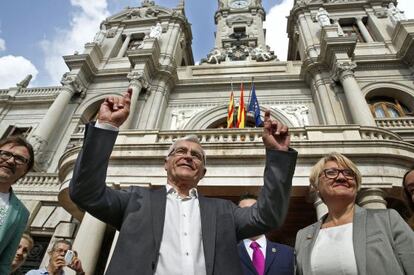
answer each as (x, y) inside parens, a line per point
(385, 107)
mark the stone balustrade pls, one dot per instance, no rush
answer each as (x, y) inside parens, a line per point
(39, 179)
(4, 92)
(46, 91)
(249, 135)
(390, 123)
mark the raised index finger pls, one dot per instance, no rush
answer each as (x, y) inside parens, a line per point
(267, 115)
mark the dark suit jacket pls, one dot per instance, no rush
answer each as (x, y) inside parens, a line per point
(138, 213)
(279, 260)
(383, 243)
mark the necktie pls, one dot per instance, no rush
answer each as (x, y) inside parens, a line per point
(258, 258)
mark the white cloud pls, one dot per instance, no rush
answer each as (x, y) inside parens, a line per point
(83, 26)
(408, 7)
(2, 45)
(276, 36)
(14, 69)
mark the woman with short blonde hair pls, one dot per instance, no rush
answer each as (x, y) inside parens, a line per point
(351, 240)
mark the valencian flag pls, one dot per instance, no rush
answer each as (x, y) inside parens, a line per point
(254, 107)
(230, 111)
(241, 113)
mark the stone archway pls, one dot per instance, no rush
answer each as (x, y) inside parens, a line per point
(215, 116)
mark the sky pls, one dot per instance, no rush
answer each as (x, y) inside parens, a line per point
(34, 35)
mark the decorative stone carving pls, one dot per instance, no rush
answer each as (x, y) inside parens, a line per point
(137, 78)
(73, 83)
(323, 17)
(261, 55)
(297, 114)
(343, 70)
(155, 31)
(215, 56)
(395, 14)
(240, 19)
(111, 33)
(238, 52)
(135, 44)
(38, 144)
(25, 82)
(179, 118)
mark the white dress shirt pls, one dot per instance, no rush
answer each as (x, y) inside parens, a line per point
(181, 251)
(333, 252)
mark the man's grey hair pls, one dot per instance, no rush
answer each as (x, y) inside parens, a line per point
(190, 138)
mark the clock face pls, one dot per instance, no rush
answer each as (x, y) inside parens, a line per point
(239, 4)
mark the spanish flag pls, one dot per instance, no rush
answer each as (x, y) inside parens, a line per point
(230, 112)
(241, 113)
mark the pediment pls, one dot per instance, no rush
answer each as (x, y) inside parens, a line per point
(140, 13)
(239, 19)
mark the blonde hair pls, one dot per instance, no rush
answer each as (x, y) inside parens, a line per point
(341, 160)
(29, 239)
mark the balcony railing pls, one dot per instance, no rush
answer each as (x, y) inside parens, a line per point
(247, 135)
(46, 91)
(39, 179)
(392, 123)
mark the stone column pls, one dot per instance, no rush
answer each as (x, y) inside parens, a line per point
(124, 47)
(328, 112)
(136, 80)
(307, 37)
(156, 106)
(364, 31)
(49, 123)
(88, 242)
(372, 198)
(360, 112)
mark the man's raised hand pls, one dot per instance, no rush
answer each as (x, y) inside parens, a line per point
(115, 109)
(275, 134)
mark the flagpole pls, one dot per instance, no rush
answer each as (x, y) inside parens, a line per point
(250, 93)
(234, 105)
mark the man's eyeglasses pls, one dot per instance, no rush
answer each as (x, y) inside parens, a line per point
(182, 151)
(333, 173)
(19, 160)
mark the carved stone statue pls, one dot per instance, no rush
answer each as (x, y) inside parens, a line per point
(261, 55)
(215, 56)
(156, 31)
(25, 82)
(395, 14)
(323, 17)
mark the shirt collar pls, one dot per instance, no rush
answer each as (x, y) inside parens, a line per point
(193, 193)
(261, 241)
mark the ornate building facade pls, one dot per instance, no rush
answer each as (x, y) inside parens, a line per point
(348, 86)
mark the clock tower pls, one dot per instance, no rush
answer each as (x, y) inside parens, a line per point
(240, 34)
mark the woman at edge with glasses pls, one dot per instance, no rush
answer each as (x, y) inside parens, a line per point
(350, 239)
